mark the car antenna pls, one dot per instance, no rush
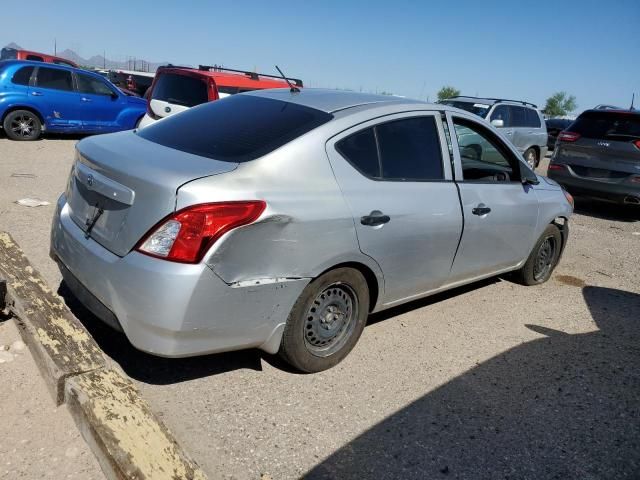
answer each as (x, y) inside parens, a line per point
(633, 97)
(293, 88)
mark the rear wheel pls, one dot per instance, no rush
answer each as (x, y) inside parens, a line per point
(22, 125)
(531, 156)
(326, 320)
(542, 259)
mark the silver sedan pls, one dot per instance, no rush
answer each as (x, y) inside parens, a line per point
(280, 220)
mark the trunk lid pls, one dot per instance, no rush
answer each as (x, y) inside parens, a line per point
(122, 185)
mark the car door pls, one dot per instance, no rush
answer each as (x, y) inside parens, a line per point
(500, 211)
(56, 98)
(394, 178)
(503, 113)
(100, 105)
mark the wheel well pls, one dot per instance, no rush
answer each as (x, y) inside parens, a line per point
(537, 150)
(30, 109)
(369, 276)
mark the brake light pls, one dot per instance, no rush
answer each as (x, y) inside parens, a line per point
(185, 236)
(637, 144)
(568, 136)
(150, 111)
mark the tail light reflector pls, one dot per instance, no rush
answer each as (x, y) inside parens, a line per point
(185, 236)
(568, 136)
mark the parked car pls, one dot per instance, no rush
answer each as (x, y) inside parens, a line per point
(599, 156)
(280, 220)
(37, 98)
(521, 122)
(176, 89)
(8, 53)
(554, 127)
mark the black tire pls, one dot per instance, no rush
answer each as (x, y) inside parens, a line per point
(22, 125)
(322, 330)
(541, 262)
(531, 157)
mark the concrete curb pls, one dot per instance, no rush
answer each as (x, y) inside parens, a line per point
(128, 440)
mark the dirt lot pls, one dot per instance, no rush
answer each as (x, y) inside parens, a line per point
(494, 380)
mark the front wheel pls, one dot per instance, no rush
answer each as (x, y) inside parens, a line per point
(22, 125)
(531, 156)
(326, 321)
(542, 259)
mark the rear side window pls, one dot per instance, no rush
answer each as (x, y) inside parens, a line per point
(54, 78)
(22, 76)
(36, 58)
(532, 118)
(180, 90)
(89, 84)
(361, 151)
(518, 116)
(409, 150)
(610, 125)
(239, 128)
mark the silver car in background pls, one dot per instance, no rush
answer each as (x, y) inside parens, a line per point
(280, 220)
(521, 122)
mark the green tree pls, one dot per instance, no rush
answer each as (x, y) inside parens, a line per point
(559, 104)
(447, 92)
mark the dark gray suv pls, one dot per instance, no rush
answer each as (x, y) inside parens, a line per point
(599, 156)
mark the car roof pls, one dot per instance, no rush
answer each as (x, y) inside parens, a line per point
(331, 101)
(492, 101)
(228, 79)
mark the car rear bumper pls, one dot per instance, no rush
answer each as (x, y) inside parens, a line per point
(619, 192)
(166, 308)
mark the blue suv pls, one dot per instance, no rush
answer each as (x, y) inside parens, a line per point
(36, 97)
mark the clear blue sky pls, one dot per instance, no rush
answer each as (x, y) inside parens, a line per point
(493, 48)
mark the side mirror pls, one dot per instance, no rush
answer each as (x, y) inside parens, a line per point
(114, 96)
(527, 176)
(498, 123)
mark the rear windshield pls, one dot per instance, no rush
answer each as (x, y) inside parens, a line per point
(180, 90)
(611, 125)
(480, 109)
(238, 128)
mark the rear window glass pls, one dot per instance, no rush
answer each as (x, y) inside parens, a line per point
(361, 151)
(22, 76)
(36, 58)
(236, 129)
(480, 109)
(611, 125)
(180, 90)
(533, 119)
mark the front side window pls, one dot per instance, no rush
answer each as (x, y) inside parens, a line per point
(404, 150)
(91, 85)
(54, 78)
(22, 76)
(484, 157)
(180, 90)
(501, 112)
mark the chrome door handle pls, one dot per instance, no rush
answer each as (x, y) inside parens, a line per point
(36, 94)
(85, 99)
(374, 219)
(481, 209)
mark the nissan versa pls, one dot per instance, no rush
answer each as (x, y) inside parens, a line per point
(280, 219)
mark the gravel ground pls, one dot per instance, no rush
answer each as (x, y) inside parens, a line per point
(493, 380)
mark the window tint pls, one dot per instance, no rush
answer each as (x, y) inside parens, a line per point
(532, 118)
(410, 149)
(22, 76)
(89, 84)
(484, 158)
(54, 78)
(236, 129)
(501, 112)
(361, 151)
(610, 125)
(37, 58)
(180, 90)
(518, 116)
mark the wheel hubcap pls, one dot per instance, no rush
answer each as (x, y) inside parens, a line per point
(531, 159)
(544, 260)
(330, 319)
(23, 125)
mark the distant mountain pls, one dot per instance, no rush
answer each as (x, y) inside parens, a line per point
(98, 61)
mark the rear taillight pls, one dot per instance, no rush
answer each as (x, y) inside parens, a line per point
(569, 197)
(637, 144)
(568, 136)
(556, 166)
(187, 235)
(150, 110)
